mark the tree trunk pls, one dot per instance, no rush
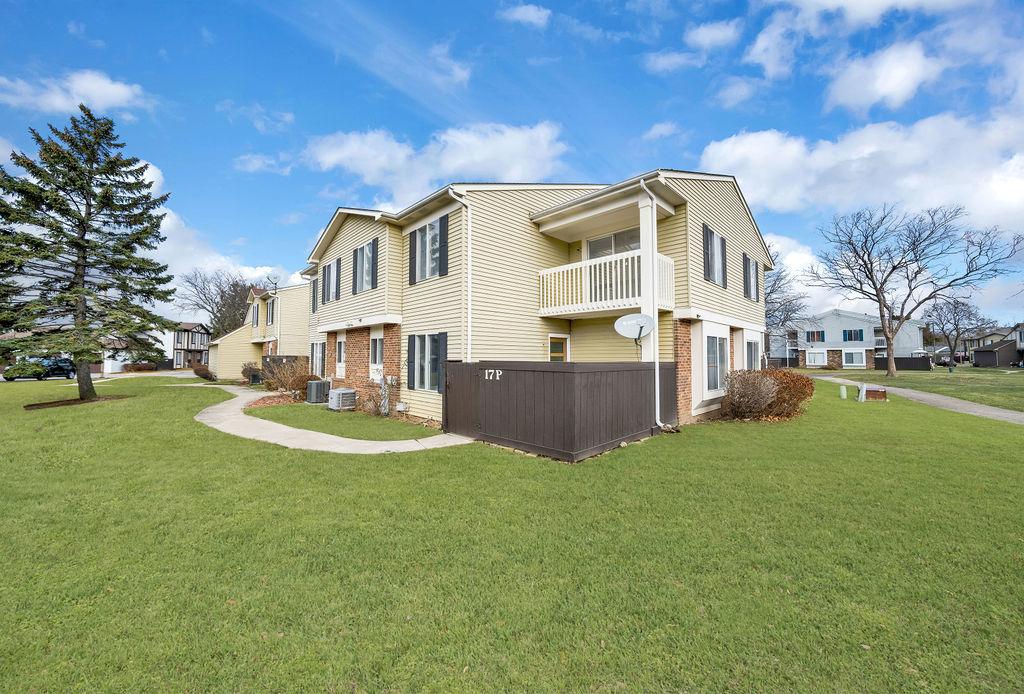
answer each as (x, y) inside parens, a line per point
(86, 389)
(890, 365)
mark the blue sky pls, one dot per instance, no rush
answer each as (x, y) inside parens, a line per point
(263, 117)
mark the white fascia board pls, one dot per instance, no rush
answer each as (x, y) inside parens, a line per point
(326, 236)
(694, 313)
(598, 209)
(430, 217)
(378, 319)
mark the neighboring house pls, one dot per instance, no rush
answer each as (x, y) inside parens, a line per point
(187, 346)
(277, 323)
(536, 273)
(985, 339)
(1002, 347)
(845, 339)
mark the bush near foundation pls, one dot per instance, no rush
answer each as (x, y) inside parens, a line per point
(290, 375)
(204, 373)
(766, 394)
(250, 369)
(140, 366)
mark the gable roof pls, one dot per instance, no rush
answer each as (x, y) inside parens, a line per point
(192, 326)
(992, 347)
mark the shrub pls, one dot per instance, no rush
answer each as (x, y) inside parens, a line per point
(749, 394)
(24, 369)
(289, 375)
(140, 366)
(379, 401)
(792, 390)
(204, 373)
(250, 369)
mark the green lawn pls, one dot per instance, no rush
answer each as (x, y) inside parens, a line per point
(355, 425)
(987, 386)
(860, 547)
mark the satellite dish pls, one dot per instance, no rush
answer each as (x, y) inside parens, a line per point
(634, 325)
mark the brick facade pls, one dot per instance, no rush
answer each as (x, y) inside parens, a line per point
(801, 359)
(357, 359)
(869, 359)
(684, 370)
(834, 358)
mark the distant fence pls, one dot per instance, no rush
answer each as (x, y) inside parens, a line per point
(783, 362)
(279, 359)
(905, 363)
(568, 411)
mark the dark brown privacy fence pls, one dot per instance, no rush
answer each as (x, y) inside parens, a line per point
(905, 363)
(567, 411)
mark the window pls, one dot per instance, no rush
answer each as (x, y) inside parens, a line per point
(714, 257)
(815, 335)
(339, 359)
(853, 335)
(325, 289)
(817, 357)
(428, 251)
(178, 359)
(255, 315)
(377, 354)
(427, 354)
(364, 266)
(316, 358)
(271, 305)
(620, 242)
(313, 295)
(717, 361)
(751, 279)
(558, 348)
(753, 355)
(179, 338)
(853, 357)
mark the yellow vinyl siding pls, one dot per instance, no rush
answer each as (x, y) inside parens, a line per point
(353, 233)
(595, 339)
(718, 204)
(672, 242)
(233, 350)
(434, 305)
(292, 320)
(390, 270)
(508, 254)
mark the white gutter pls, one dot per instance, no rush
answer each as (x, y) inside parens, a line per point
(461, 199)
(653, 283)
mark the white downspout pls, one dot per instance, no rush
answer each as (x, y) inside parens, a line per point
(461, 199)
(653, 284)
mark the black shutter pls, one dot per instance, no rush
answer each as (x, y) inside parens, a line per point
(746, 277)
(373, 269)
(757, 280)
(442, 357)
(412, 258)
(312, 295)
(337, 277)
(355, 262)
(725, 267)
(325, 286)
(410, 363)
(707, 252)
(442, 246)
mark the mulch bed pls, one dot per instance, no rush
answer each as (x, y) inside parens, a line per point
(73, 401)
(272, 400)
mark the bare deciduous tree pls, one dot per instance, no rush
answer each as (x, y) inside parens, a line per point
(784, 303)
(953, 318)
(903, 261)
(221, 294)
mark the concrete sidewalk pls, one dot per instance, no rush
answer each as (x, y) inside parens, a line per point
(229, 417)
(944, 402)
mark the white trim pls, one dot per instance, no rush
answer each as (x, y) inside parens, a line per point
(807, 360)
(694, 313)
(432, 217)
(464, 201)
(568, 345)
(376, 371)
(585, 241)
(376, 319)
(340, 338)
(862, 350)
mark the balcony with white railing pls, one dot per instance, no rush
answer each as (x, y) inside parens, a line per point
(879, 342)
(605, 285)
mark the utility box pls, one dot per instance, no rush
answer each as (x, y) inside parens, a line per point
(341, 399)
(316, 391)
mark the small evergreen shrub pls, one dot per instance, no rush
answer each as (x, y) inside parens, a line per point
(250, 369)
(204, 373)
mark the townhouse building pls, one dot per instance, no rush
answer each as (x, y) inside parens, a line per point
(844, 339)
(488, 272)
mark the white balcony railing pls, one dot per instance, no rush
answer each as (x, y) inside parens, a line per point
(605, 284)
(879, 342)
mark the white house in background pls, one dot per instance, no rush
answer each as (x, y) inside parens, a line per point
(845, 339)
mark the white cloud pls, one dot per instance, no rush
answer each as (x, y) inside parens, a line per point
(77, 29)
(735, 90)
(263, 163)
(891, 76)
(669, 61)
(291, 218)
(62, 95)
(481, 151)
(775, 46)
(449, 72)
(798, 257)
(862, 12)
(5, 152)
(940, 160)
(263, 120)
(707, 37)
(660, 9)
(661, 130)
(530, 15)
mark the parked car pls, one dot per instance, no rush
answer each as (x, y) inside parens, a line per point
(40, 368)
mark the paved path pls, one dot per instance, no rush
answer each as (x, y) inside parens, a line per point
(943, 401)
(228, 417)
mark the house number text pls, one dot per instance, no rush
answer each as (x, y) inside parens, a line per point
(492, 374)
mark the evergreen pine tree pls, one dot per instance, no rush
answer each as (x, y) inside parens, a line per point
(75, 228)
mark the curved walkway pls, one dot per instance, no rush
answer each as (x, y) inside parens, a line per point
(228, 416)
(942, 401)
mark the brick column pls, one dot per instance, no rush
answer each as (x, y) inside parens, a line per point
(801, 359)
(835, 358)
(331, 355)
(684, 374)
(869, 359)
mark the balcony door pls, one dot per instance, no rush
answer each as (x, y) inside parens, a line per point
(605, 283)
